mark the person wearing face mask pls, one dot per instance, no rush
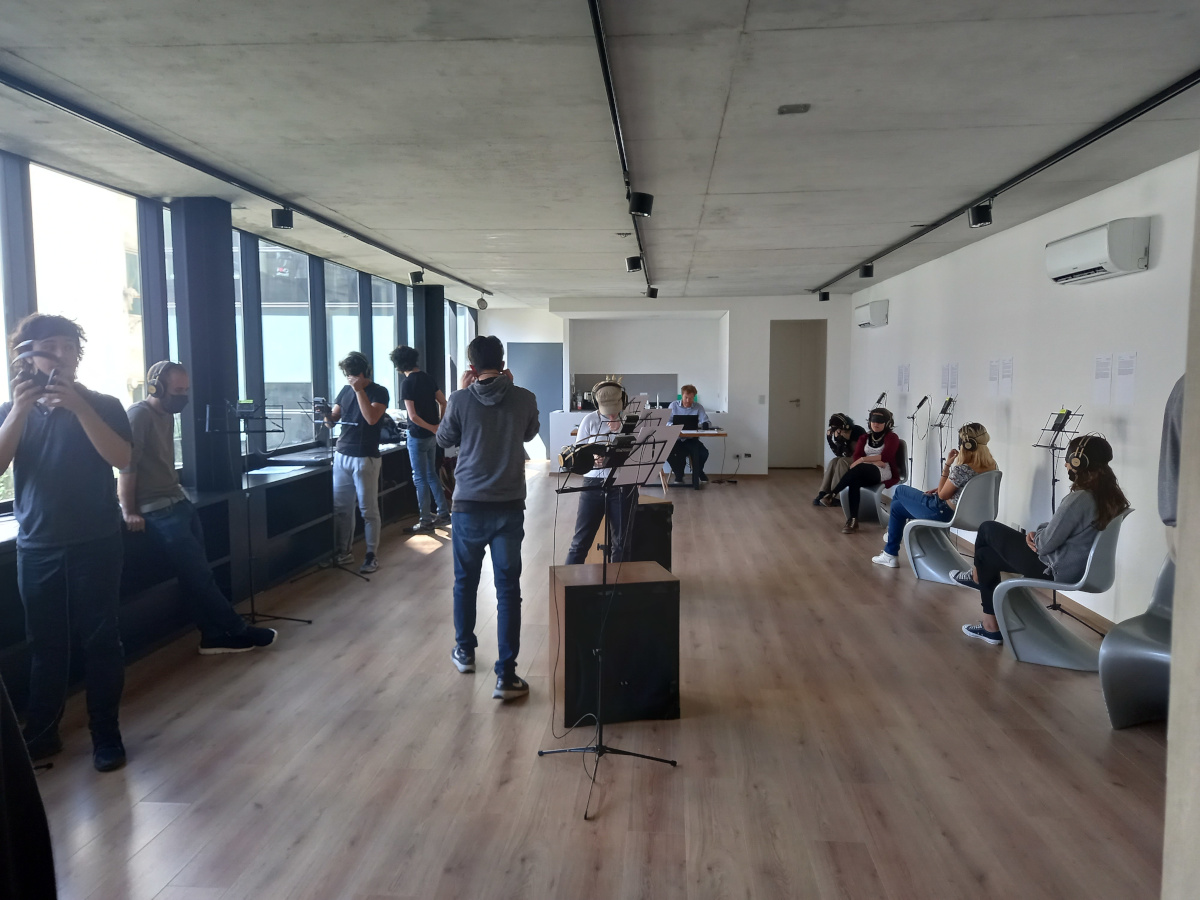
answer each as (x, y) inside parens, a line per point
(152, 501)
(875, 462)
(63, 442)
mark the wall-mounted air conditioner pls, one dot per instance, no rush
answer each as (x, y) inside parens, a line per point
(1117, 248)
(871, 315)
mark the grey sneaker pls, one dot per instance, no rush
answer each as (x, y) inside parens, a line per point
(419, 528)
(370, 564)
(342, 562)
(509, 687)
(464, 660)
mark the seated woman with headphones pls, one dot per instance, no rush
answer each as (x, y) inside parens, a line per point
(970, 459)
(875, 462)
(842, 437)
(1058, 549)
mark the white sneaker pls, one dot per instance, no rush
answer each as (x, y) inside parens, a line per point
(885, 559)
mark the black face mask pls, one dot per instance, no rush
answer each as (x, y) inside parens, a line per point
(174, 403)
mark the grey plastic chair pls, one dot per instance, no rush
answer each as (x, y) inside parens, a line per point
(1031, 632)
(931, 553)
(873, 501)
(1135, 659)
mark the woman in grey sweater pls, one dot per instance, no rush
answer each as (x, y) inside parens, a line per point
(1058, 549)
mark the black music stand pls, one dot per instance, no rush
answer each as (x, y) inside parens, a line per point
(626, 453)
(944, 420)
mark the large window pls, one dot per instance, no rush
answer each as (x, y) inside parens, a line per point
(383, 335)
(86, 266)
(341, 320)
(6, 479)
(172, 316)
(287, 341)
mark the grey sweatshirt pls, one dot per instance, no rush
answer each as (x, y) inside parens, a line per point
(1168, 455)
(1064, 542)
(489, 422)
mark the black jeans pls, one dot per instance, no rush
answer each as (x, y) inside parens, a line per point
(73, 592)
(999, 548)
(859, 477)
(688, 448)
(621, 501)
(177, 534)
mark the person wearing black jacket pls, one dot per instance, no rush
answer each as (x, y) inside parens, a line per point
(842, 436)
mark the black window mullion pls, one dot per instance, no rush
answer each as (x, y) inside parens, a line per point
(252, 336)
(366, 312)
(152, 265)
(319, 328)
(403, 338)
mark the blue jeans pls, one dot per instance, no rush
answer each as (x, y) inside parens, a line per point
(422, 454)
(621, 503)
(909, 503)
(471, 534)
(73, 593)
(177, 534)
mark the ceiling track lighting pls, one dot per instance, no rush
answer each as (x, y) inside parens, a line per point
(281, 218)
(640, 204)
(633, 264)
(416, 277)
(866, 270)
(823, 296)
(652, 293)
(980, 215)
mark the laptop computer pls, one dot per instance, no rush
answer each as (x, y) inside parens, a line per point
(689, 423)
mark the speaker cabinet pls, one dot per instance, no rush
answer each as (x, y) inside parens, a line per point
(639, 663)
(651, 538)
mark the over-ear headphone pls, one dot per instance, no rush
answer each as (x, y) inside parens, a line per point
(879, 411)
(1079, 458)
(616, 384)
(156, 378)
(971, 435)
(840, 421)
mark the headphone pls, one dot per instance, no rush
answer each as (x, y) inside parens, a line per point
(156, 380)
(843, 421)
(891, 420)
(1079, 458)
(969, 441)
(360, 358)
(616, 384)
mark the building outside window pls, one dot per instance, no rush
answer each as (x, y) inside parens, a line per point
(287, 341)
(341, 320)
(383, 335)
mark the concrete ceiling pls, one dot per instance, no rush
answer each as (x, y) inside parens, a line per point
(476, 135)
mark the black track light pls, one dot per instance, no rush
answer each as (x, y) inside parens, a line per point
(640, 204)
(281, 218)
(633, 264)
(416, 277)
(866, 270)
(652, 293)
(823, 296)
(981, 215)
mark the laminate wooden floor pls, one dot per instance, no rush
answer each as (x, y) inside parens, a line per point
(840, 739)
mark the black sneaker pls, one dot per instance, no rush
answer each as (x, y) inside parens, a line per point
(464, 660)
(441, 522)
(238, 643)
(108, 755)
(978, 631)
(44, 747)
(509, 687)
(370, 564)
(677, 479)
(817, 502)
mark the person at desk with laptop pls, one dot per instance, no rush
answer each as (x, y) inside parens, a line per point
(691, 415)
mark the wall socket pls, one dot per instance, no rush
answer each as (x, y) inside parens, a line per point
(742, 455)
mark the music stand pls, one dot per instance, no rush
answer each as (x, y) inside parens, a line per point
(632, 460)
(944, 420)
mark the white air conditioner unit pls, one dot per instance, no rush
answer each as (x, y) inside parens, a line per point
(1118, 248)
(871, 315)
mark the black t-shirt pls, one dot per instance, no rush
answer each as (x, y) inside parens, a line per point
(65, 491)
(421, 388)
(357, 437)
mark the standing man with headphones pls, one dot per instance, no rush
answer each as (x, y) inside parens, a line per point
(610, 399)
(356, 462)
(152, 501)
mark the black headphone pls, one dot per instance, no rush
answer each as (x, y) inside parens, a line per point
(616, 384)
(843, 421)
(1079, 458)
(359, 357)
(891, 420)
(967, 441)
(156, 382)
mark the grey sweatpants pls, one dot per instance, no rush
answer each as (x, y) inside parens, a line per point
(355, 478)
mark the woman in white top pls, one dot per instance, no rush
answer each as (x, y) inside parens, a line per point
(595, 429)
(970, 459)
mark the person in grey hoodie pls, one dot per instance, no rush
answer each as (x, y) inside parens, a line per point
(1058, 549)
(1170, 451)
(489, 420)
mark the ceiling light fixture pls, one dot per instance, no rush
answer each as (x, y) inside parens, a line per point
(281, 218)
(823, 296)
(652, 293)
(980, 215)
(640, 204)
(794, 109)
(416, 277)
(633, 264)
(482, 304)
(866, 270)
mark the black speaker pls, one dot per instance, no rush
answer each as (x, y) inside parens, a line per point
(651, 538)
(639, 666)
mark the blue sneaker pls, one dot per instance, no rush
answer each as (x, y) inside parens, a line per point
(978, 631)
(509, 687)
(463, 659)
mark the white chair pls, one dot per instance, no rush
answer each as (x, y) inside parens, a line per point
(931, 553)
(873, 500)
(1032, 633)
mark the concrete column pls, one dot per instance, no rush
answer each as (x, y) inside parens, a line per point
(1181, 860)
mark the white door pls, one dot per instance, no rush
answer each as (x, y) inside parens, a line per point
(796, 419)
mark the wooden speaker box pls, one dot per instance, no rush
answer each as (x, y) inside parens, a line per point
(639, 613)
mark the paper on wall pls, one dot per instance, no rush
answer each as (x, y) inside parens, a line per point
(994, 378)
(1126, 378)
(946, 380)
(952, 386)
(902, 382)
(1006, 377)
(1102, 381)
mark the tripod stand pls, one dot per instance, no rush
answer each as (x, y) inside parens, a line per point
(619, 460)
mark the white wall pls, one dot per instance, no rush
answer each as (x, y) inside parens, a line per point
(688, 347)
(993, 300)
(523, 325)
(748, 323)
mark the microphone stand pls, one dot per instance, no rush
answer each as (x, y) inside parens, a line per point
(912, 441)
